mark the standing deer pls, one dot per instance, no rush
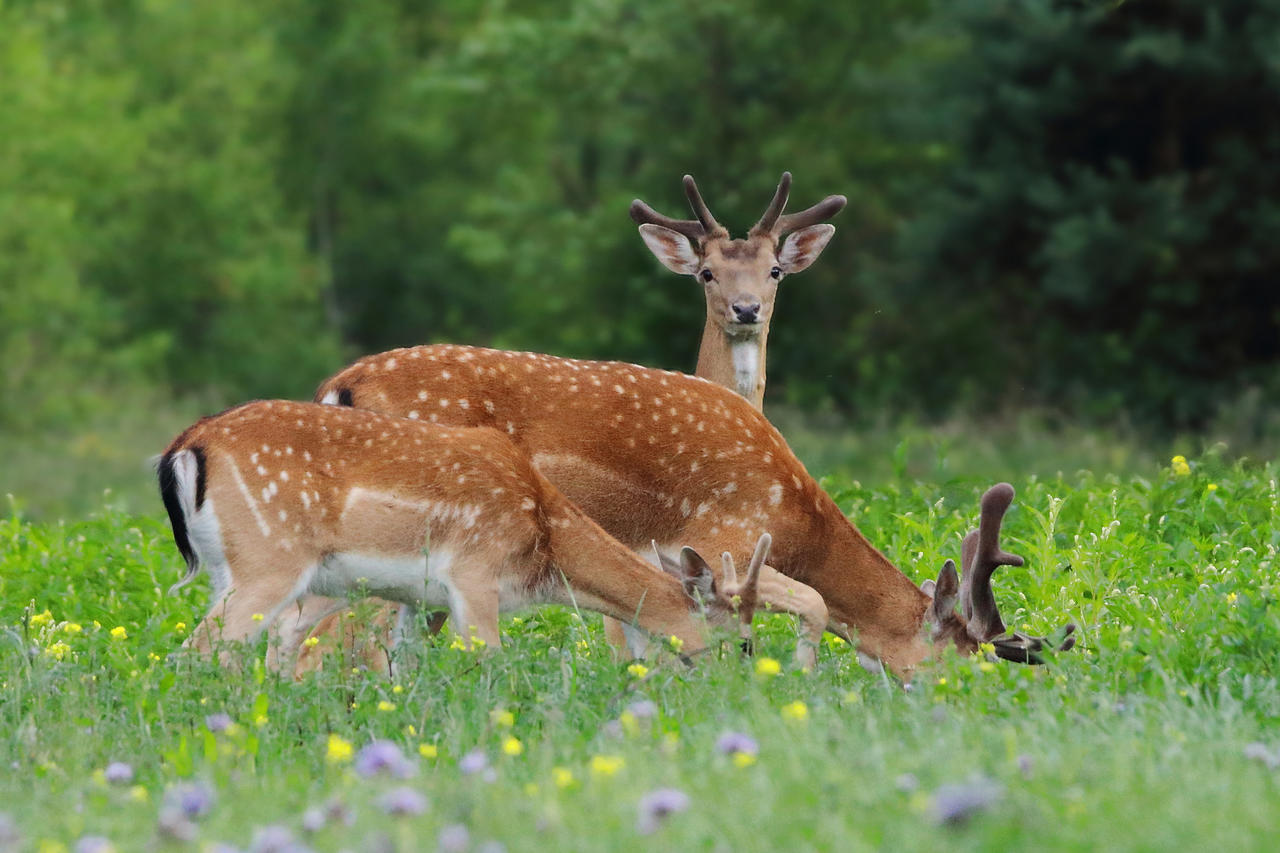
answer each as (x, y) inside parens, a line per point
(278, 500)
(653, 455)
(740, 277)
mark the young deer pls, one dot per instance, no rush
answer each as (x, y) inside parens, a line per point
(740, 277)
(278, 500)
(656, 455)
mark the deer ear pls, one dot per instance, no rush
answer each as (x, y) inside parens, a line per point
(696, 576)
(927, 587)
(945, 592)
(802, 247)
(672, 248)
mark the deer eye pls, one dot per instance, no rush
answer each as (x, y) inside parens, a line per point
(706, 275)
(776, 272)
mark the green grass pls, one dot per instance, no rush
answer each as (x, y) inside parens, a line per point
(1138, 739)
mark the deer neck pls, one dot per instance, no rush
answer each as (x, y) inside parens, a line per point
(734, 361)
(862, 587)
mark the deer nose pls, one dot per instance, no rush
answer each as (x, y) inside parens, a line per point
(746, 312)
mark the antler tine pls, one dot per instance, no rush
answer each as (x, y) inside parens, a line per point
(775, 208)
(820, 212)
(729, 569)
(763, 544)
(700, 209)
(981, 556)
(643, 214)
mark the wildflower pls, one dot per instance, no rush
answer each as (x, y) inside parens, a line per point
(676, 643)
(257, 617)
(767, 667)
(1232, 598)
(311, 642)
(180, 628)
(220, 723)
(49, 845)
(1180, 466)
(454, 838)
(194, 800)
(58, 650)
(512, 746)
(955, 804)
(1212, 487)
(428, 750)
(638, 670)
(119, 633)
(138, 794)
(473, 762)
(1259, 752)
(397, 689)
(273, 839)
(738, 745)
(383, 756)
(986, 666)
(118, 773)
(172, 824)
(606, 765)
(39, 620)
(338, 751)
(403, 802)
(384, 705)
(502, 717)
(796, 712)
(656, 806)
(313, 820)
(562, 777)
(72, 628)
(1026, 765)
(94, 844)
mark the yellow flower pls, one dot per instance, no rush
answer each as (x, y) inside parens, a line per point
(743, 759)
(49, 845)
(987, 648)
(428, 750)
(411, 730)
(767, 667)
(384, 705)
(502, 717)
(458, 644)
(638, 670)
(1180, 466)
(180, 628)
(397, 689)
(987, 666)
(1213, 487)
(339, 750)
(562, 776)
(119, 633)
(138, 794)
(605, 766)
(512, 746)
(258, 617)
(39, 620)
(311, 642)
(676, 643)
(853, 697)
(942, 682)
(796, 712)
(58, 650)
(259, 720)
(1231, 599)
(72, 628)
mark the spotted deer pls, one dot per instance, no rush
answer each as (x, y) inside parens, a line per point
(281, 500)
(653, 455)
(739, 277)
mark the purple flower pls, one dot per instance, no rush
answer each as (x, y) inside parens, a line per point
(118, 773)
(313, 820)
(383, 756)
(473, 762)
(274, 839)
(955, 804)
(94, 844)
(643, 709)
(9, 835)
(656, 806)
(217, 722)
(732, 743)
(193, 800)
(454, 838)
(1026, 765)
(1258, 752)
(172, 824)
(403, 802)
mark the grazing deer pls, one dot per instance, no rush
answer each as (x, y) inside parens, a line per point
(653, 455)
(277, 500)
(740, 277)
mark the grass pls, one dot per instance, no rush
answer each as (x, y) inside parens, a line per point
(1158, 733)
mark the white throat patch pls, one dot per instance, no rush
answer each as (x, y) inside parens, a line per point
(746, 367)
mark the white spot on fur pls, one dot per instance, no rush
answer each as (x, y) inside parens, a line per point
(775, 494)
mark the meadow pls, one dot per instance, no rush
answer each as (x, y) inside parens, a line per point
(1158, 732)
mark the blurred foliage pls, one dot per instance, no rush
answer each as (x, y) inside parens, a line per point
(1061, 203)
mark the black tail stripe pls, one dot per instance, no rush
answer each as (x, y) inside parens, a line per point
(172, 505)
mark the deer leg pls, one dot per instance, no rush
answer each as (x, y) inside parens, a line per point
(473, 606)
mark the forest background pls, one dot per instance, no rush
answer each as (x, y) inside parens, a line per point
(1060, 211)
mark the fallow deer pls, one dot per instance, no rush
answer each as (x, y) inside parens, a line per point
(656, 455)
(277, 500)
(740, 277)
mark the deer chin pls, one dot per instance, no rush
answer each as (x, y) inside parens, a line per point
(743, 331)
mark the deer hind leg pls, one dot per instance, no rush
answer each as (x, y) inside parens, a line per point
(248, 608)
(474, 601)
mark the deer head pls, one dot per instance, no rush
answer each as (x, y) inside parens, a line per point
(979, 619)
(721, 600)
(740, 277)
